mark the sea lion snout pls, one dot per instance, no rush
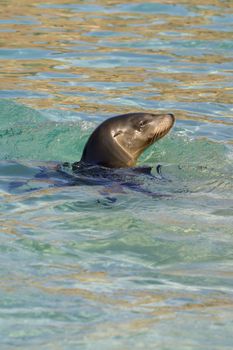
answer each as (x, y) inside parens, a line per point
(171, 118)
(160, 125)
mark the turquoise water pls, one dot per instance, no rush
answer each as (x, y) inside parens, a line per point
(80, 271)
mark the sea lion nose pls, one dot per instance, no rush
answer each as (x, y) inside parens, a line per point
(171, 115)
(171, 118)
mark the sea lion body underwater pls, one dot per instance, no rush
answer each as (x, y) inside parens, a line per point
(120, 140)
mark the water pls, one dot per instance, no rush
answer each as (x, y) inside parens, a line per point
(77, 269)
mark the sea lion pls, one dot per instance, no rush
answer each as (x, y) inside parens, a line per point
(116, 143)
(119, 141)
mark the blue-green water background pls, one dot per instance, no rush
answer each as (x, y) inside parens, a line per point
(80, 272)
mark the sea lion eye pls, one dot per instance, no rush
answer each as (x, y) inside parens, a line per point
(141, 124)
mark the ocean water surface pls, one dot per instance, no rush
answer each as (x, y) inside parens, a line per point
(90, 267)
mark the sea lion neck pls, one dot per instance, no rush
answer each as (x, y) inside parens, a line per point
(102, 149)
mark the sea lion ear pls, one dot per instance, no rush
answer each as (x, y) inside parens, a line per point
(118, 132)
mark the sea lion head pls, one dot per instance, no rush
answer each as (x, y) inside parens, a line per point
(119, 141)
